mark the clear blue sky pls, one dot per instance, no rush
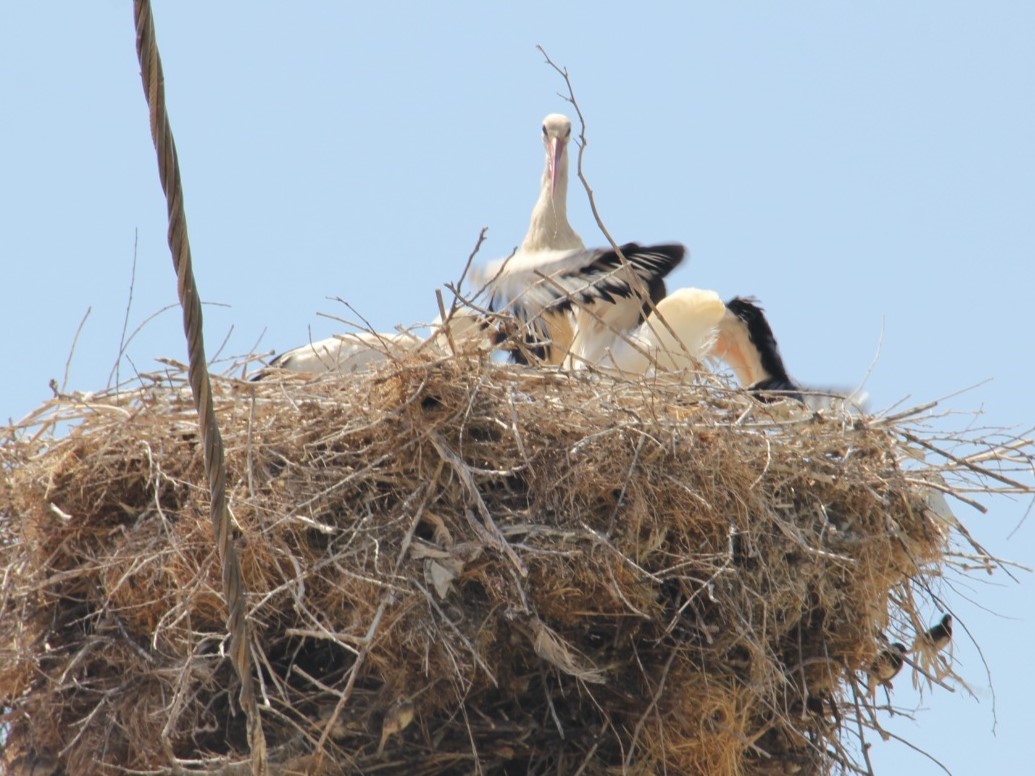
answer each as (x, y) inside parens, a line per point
(866, 169)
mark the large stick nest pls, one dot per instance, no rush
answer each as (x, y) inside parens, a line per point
(455, 566)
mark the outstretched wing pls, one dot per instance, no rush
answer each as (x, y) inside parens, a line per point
(529, 284)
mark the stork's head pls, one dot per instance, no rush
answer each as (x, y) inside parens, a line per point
(556, 134)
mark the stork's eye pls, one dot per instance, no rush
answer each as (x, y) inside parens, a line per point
(544, 130)
(568, 134)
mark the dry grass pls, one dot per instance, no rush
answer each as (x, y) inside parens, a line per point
(554, 573)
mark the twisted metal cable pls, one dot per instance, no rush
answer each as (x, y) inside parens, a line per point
(201, 388)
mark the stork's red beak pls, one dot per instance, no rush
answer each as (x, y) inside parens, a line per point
(555, 148)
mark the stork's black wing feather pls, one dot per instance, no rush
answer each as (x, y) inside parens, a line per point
(761, 335)
(526, 286)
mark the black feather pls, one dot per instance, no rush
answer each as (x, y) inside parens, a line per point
(762, 338)
(656, 291)
(574, 278)
(580, 277)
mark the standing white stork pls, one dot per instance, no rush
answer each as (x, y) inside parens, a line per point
(571, 300)
(548, 337)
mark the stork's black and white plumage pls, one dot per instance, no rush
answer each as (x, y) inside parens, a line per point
(745, 341)
(937, 637)
(345, 352)
(548, 336)
(886, 665)
(352, 352)
(640, 288)
(736, 332)
(580, 284)
(571, 300)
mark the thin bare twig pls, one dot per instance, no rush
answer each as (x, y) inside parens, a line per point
(492, 532)
(125, 319)
(71, 350)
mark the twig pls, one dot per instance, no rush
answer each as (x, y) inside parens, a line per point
(650, 707)
(494, 536)
(965, 463)
(467, 268)
(1024, 517)
(129, 304)
(71, 351)
(375, 623)
(864, 745)
(446, 317)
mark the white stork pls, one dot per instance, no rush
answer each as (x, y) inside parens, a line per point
(571, 300)
(352, 352)
(692, 324)
(345, 352)
(745, 341)
(549, 229)
(549, 336)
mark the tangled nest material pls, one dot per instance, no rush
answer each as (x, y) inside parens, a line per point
(457, 566)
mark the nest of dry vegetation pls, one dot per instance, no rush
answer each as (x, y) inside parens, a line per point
(456, 566)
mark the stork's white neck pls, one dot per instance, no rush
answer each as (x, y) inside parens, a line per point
(734, 346)
(549, 228)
